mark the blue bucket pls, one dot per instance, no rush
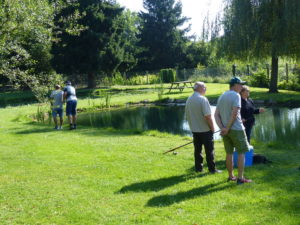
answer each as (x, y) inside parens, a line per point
(248, 157)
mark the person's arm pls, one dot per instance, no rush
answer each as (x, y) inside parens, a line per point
(219, 122)
(210, 122)
(234, 114)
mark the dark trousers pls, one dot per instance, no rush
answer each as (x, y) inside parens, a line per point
(206, 139)
(248, 130)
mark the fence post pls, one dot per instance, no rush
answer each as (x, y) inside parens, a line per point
(248, 69)
(147, 77)
(268, 70)
(287, 72)
(233, 69)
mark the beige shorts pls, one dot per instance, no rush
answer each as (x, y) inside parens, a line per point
(236, 139)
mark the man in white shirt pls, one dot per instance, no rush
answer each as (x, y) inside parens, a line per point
(57, 106)
(198, 115)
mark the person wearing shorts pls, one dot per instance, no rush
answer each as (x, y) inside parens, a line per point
(71, 107)
(57, 106)
(228, 118)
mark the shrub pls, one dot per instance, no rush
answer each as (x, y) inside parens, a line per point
(167, 75)
(259, 79)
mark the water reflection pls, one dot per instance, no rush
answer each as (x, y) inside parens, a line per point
(276, 124)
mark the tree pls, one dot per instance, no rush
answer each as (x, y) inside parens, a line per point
(25, 42)
(161, 38)
(261, 29)
(89, 39)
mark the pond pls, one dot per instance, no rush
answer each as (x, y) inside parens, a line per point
(276, 124)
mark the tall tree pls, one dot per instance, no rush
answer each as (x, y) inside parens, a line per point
(89, 39)
(25, 42)
(261, 29)
(161, 34)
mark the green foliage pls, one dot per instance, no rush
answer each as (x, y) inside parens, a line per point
(259, 79)
(167, 75)
(261, 29)
(162, 41)
(25, 42)
(96, 49)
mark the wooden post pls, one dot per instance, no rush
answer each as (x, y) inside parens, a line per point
(268, 70)
(248, 70)
(147, 77)
(233, 69)
(287, 72)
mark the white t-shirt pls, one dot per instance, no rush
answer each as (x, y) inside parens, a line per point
(71, 93)
(197, 106)
(57, 95)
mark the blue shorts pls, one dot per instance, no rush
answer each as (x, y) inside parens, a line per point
(57, 111)
(71, 108)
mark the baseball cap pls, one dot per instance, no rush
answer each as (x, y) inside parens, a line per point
(68, 82)
(237, 80)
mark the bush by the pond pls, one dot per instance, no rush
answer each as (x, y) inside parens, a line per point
(258, 79)
(118, 79)
(167, 75)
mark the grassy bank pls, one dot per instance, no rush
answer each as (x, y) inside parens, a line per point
(106, 176)
(124, 94)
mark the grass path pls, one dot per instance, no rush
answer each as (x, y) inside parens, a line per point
(106, 176)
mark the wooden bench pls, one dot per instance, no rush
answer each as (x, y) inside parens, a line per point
(181, 85)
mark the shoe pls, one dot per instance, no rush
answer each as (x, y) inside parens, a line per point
(215, 171)
(198, 171)
(234, 178)
(71, 127)
(55, 128)
(243, 180)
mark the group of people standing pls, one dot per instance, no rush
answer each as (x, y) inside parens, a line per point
(234, 116)
(68, 95)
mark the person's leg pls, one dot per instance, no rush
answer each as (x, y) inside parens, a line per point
(229, 165)
(228, 145)
(242, 146)
(241, 165)
(54, 115)
(55, 121)
(74, 113)
(198, 152)
(61, 117)
(69, 113)
(248, 130)
(208, 141)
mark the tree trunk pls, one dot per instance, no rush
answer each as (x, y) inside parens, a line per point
(274, 75)
(91, 80)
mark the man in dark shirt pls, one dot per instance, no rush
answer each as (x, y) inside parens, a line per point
(248, 110)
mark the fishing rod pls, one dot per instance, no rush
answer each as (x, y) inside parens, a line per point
(173, 149)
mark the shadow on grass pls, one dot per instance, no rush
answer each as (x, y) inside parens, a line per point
(159, 184)
(84, 130)
(36, 131)
(167, 200)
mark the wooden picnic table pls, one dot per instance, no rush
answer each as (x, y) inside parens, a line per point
(181, 85)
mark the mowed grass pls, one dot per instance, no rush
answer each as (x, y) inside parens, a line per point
(107, 176)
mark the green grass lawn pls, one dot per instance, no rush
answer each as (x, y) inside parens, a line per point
(106, 176)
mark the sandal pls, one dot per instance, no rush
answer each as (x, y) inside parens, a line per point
(231, 178)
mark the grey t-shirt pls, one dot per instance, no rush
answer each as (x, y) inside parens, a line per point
(57, 95)
(226, 102)
(71, 93)
(197, 106)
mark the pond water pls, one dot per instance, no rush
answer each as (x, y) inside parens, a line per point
(276, 124)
